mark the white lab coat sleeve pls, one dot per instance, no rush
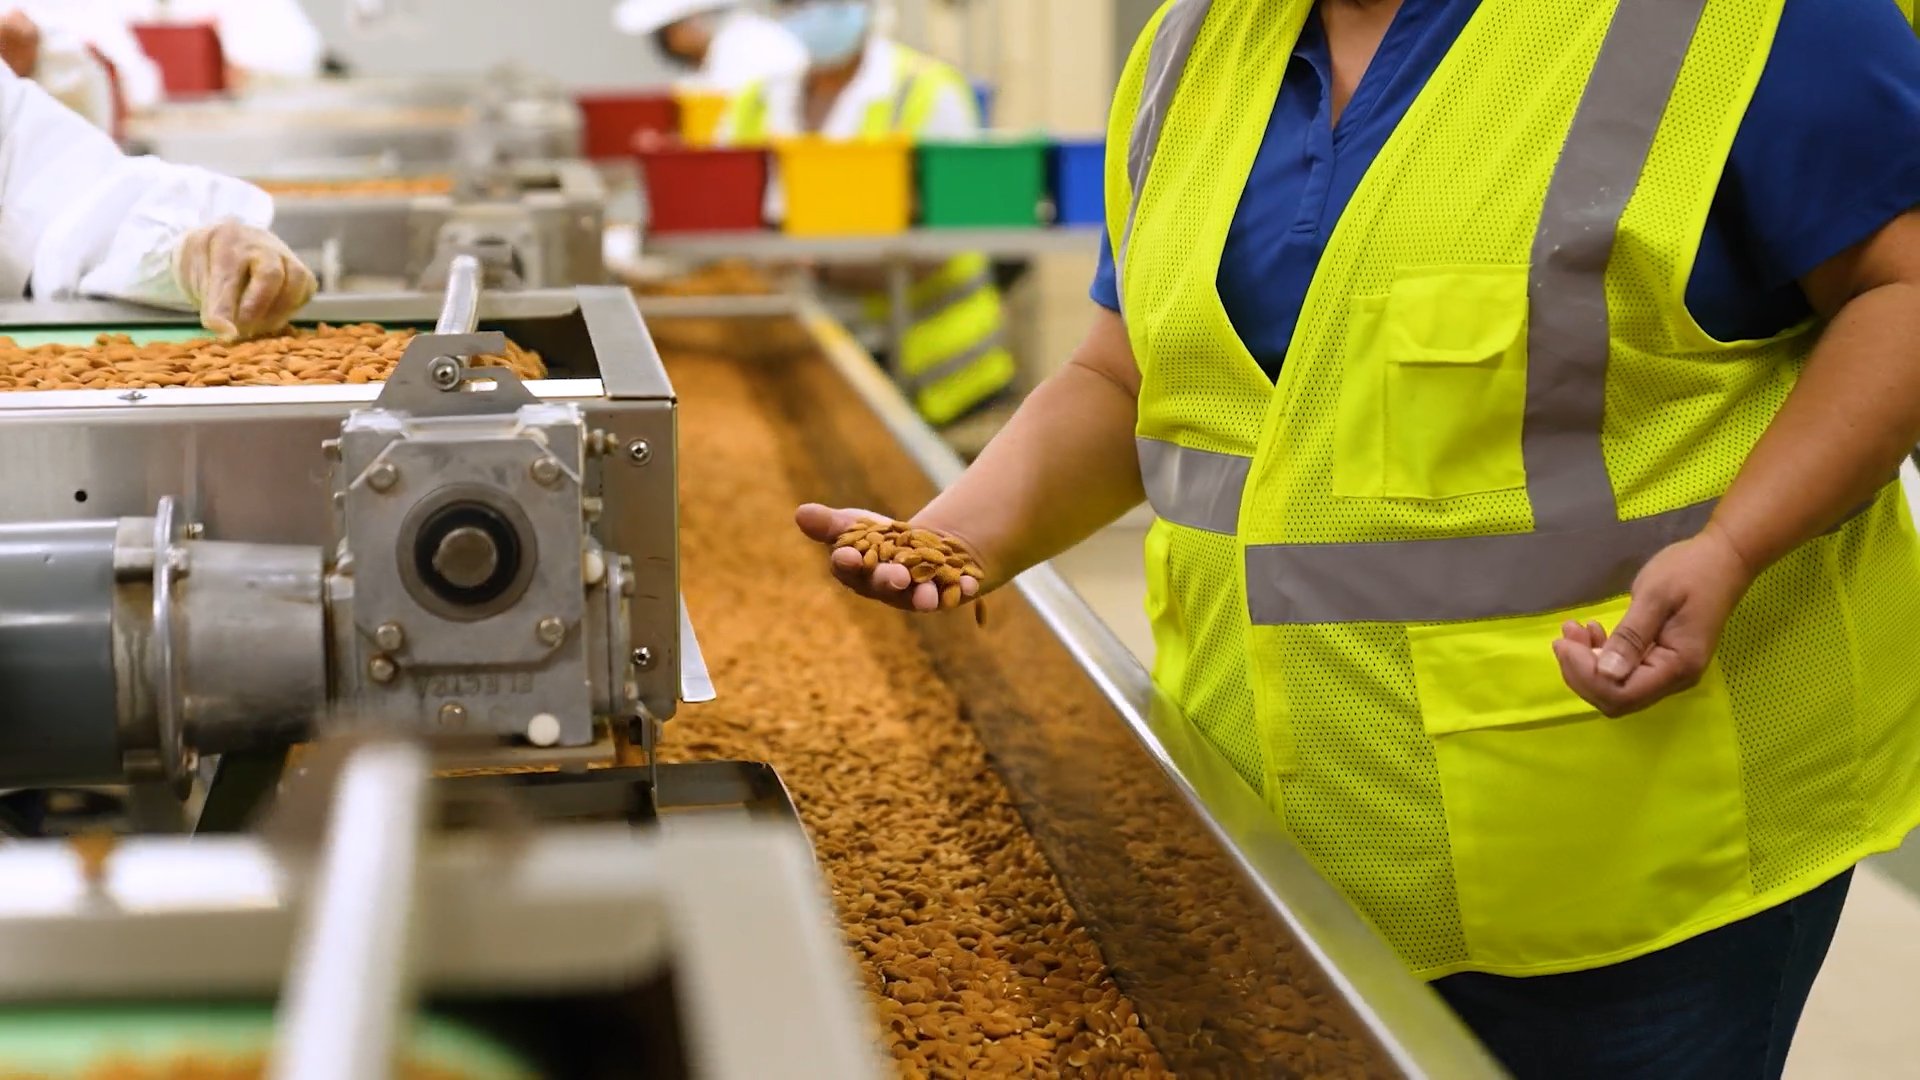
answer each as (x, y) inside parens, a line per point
(85, 219)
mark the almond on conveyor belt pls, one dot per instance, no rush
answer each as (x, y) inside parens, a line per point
(357, 186)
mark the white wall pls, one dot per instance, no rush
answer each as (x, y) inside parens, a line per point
(571, 40)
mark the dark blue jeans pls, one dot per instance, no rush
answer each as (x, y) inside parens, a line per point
(1721, 1006)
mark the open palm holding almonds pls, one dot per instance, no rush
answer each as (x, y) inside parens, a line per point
(895, 562)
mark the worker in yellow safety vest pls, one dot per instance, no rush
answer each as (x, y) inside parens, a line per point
(861, 84)
(1520, 387)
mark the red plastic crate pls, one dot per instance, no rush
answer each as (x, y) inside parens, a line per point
(189, 57)
(695, 189)
(615, 119)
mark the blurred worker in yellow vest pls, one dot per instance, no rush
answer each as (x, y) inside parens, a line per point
(726, 45)
(861, 85)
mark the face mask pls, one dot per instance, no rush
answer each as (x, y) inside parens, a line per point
(832, 31)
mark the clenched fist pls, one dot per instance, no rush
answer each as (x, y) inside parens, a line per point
(244, 280)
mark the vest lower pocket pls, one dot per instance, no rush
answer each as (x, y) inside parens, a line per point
(1434, 393)
(1575, 837)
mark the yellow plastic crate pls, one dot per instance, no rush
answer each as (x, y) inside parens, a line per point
(700, 114)
(860, 188)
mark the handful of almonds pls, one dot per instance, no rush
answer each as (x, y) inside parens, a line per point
(928, 557)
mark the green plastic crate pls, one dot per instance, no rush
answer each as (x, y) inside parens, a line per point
(988, 183)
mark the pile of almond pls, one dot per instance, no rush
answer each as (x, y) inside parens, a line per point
(928, 556)
(358, 187)
(362, 353)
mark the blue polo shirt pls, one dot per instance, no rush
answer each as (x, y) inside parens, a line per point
(1829, 153)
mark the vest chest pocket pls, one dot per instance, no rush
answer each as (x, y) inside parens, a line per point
(1434, 391)
(1575, 835)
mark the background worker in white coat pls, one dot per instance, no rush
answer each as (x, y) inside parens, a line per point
(99, 25)
(80, 218)
(264, 40)
(861, 84)
(728, 45)
(59, 61)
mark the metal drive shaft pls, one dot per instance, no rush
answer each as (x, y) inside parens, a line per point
(460, 312)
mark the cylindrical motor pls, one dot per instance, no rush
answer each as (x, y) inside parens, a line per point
(124, 649)
(59, 713)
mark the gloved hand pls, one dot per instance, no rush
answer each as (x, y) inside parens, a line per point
(244, 280)
(19, 44)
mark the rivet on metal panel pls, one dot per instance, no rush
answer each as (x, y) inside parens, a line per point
(390, 637)
(381, 670)
(383, 476)
(639, 452)
(551, 630)
(643, 658)
(453, 714)
(546, 472)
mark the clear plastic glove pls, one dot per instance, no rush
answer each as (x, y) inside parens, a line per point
(244, 280)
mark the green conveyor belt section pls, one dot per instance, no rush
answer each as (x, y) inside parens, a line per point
(59, 1043)
(84, 335)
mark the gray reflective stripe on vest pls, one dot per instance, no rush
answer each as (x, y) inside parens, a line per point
(952, 298)
(1568, 342)
(1196, 488)
(1470, 577)
(1580, 552)
(904, 96)
(1166, 63)
(948, 368)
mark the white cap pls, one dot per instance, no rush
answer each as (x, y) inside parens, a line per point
(648, 16)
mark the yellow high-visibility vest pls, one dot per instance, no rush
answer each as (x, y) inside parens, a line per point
(955, 355)
(1495, 409)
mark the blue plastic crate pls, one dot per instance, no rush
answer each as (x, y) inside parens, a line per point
(1080, 182)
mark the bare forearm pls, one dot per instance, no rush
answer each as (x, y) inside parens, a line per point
(1063, 468)
(1841, 434)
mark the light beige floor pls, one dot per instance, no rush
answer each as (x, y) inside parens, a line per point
(1862, 1021)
